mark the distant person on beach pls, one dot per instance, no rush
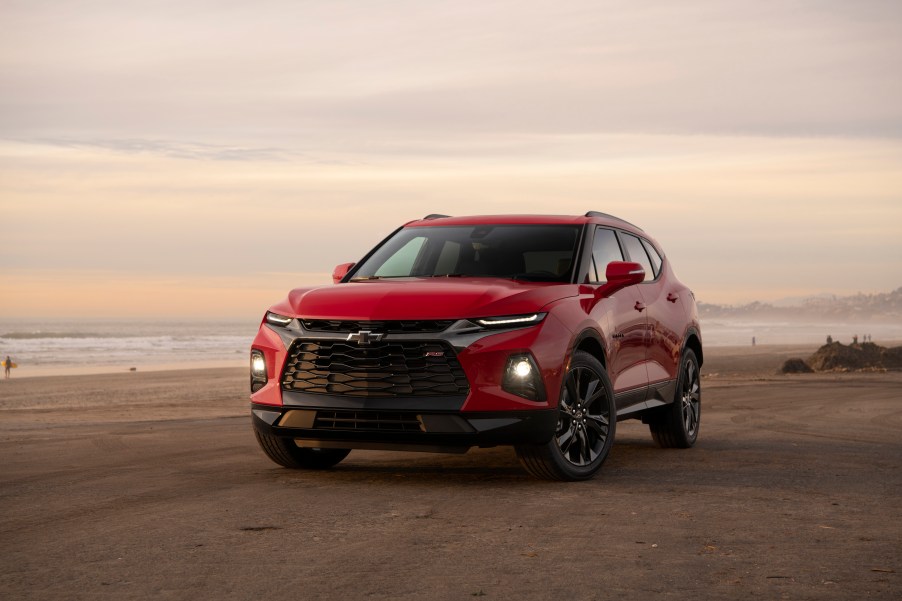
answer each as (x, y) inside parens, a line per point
(7, 367)
(855, 339)
(829, 339)
(753, 341)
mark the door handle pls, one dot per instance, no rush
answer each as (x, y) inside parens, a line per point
(673, 297)
(640, 306)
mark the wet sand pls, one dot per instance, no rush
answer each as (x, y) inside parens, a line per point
(132, 485)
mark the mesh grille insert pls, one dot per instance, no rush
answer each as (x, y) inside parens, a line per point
(402, 368)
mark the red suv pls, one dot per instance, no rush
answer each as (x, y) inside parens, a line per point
(533, 331)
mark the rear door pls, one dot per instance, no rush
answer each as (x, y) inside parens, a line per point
(664, 311)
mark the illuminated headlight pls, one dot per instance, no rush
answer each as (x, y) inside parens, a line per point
(277, 320)
(522, 378)
(258, 370)
(510, 321)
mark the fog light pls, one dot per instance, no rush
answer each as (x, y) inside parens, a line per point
(522, 368)
(522, 378)
(258, 370)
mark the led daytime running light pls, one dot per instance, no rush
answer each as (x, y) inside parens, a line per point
(277, 320)
(511, 320)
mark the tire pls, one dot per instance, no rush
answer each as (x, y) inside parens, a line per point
(677, 424)
(286, 453)
(585, 430)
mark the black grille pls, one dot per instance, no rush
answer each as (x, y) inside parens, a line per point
(386, 327)
(385, 369)
(370, 421)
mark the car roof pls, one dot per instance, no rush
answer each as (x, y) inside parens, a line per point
(590, 217)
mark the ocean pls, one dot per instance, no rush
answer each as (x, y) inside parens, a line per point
(86, 346)
(94, 346)
(724, 332)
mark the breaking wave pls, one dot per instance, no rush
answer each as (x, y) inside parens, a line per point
(48, 335)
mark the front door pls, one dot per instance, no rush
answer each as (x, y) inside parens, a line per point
(622, 318)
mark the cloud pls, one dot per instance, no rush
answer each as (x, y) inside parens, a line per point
(331, 75)
(174, 149)
(208, 139)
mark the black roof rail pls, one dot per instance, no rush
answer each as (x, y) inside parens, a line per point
(614, 217)
(434, 216)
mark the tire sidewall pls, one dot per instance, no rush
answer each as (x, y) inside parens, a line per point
(688, 356)
(575, 472)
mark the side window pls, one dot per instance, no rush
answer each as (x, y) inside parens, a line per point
(401, 263)
(654, 256)
(604, 250)
(638, 255)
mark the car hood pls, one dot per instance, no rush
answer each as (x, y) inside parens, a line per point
(379, 300)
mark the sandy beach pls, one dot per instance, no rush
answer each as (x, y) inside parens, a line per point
(132, 485)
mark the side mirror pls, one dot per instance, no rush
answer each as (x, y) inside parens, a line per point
(619, 275)
(341, 271)
(627, 274)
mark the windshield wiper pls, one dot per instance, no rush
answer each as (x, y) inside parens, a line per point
(536, 277)
(367, 278)
(469, 275)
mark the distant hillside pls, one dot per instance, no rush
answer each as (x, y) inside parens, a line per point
(886, 306)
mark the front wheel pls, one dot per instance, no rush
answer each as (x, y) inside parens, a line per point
(585, 427)
(286, 453)
(677, 424)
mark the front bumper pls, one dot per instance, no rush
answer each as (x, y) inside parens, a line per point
(403, 429)
(482, 355)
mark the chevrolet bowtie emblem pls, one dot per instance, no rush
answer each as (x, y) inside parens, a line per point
(364, 337)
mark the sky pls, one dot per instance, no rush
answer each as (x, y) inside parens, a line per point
(199, 158)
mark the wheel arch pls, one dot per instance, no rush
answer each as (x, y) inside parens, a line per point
(591, 341)
(694, 343)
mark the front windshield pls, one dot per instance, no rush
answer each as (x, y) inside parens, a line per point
(544, 253)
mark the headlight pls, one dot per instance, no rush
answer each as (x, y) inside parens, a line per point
(276, 319)
(510, 321)
(522, 377)
(258, 370)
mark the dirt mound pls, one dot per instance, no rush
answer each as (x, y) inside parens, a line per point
(795, 366)
(839, 357)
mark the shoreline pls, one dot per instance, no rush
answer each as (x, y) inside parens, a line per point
(715, 358)
(51, 371)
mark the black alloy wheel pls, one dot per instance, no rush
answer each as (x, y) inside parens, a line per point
(677, 424)
(585, 427)
(690, 399)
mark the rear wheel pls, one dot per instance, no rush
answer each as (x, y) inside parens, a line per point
(585, 428)
(677, 424)
(286, 453)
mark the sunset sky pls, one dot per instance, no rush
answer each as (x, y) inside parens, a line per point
(198, 158)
